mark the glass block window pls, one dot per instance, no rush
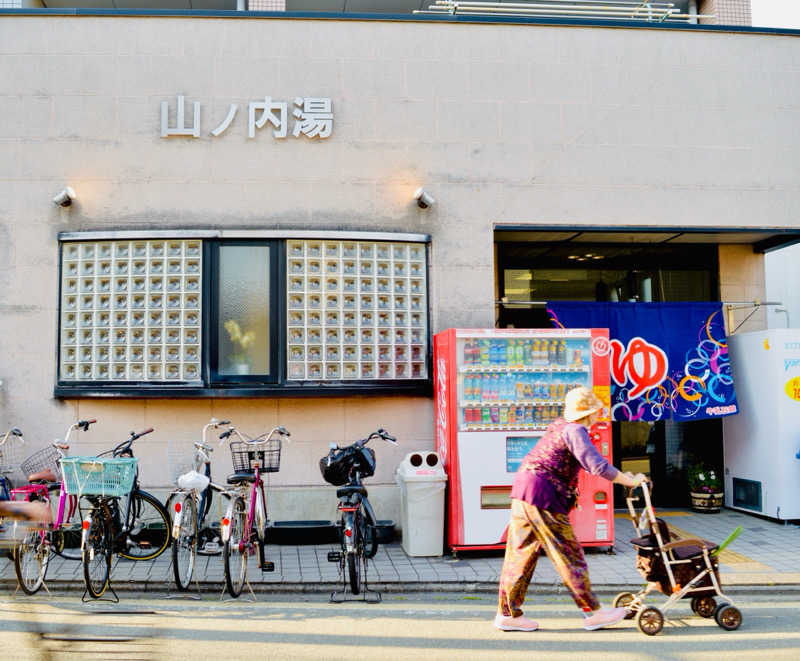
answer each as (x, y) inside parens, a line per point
(131, 311)
(356, 310)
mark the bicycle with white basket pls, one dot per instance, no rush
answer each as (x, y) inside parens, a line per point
(190, 504)
(248, 507)
(138, 531)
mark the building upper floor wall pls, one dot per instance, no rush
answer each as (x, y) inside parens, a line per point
(504, 124)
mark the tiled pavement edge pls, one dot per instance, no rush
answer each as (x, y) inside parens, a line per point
(764, 555)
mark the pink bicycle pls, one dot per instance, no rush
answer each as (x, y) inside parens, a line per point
(63, 535)
(247, 511)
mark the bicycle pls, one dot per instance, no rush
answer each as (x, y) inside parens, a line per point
(190, 504)
(251, 458)
(32, 555)
(140, 532)
(345, 467)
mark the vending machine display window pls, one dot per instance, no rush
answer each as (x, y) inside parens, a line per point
(518, 383)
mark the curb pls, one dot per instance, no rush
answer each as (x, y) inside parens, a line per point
(211, 587)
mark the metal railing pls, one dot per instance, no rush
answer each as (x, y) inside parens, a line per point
(633, 10)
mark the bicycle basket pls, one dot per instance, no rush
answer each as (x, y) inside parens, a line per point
(44, 459)
(337, 464)
(111, 477)
(267, 454)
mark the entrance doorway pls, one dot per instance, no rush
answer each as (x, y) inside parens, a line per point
(530, 273)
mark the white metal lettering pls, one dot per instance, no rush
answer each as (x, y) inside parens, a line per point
(180, 119)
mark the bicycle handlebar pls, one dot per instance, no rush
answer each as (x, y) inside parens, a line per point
(379, 433)
(280, 430)
(14, 431)
(126, 445)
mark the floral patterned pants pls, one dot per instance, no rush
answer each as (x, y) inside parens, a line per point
(531, 529)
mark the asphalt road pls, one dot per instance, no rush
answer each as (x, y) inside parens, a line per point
(412, 626)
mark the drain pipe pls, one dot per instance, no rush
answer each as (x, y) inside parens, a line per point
(241, 5)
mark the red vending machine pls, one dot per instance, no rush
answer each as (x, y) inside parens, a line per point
(496, 392)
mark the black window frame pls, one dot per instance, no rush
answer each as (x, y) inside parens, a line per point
(211, 314)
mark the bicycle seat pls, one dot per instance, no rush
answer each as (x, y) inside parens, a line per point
(347, 491)
(43, 476)
(240, 478)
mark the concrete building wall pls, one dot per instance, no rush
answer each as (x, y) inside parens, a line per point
(741, 279)
(511, 124)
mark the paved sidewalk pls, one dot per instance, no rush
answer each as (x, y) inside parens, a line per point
(763, 556)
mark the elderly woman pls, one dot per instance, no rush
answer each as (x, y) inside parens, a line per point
(543, 493)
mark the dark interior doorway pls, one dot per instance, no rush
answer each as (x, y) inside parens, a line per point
(529, 273)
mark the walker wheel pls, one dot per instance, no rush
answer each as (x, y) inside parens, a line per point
(624, 600)
(650, 621)
(728, 617)
(704, 606)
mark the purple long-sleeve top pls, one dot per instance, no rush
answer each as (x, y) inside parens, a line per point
(548, 475)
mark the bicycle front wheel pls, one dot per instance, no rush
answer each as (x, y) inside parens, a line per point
(148, 528)
(31, 558)
(234, 552)
(183, 546)
(97, 552)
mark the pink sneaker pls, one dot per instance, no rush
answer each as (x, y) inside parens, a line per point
(604, 617)
(508, 623)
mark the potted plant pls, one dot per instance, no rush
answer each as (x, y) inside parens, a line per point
(705, 488)
(238, 360)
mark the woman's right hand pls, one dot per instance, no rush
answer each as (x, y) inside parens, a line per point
(628, 479)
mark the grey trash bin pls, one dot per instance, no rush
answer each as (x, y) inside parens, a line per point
(422, 482)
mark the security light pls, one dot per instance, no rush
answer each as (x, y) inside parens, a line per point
(424, 199)
(65, 197)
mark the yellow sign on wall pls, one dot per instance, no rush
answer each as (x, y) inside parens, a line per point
(793, 388)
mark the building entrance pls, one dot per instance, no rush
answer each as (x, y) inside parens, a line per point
(530, 273)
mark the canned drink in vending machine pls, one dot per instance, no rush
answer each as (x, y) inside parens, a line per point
(503, 415)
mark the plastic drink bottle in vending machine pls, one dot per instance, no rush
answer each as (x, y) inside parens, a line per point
(519, 353)
(510, 353)
(484, 352)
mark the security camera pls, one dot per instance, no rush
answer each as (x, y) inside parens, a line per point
(424, 200)
(65, 197)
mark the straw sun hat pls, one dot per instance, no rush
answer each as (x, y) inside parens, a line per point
(580, 402)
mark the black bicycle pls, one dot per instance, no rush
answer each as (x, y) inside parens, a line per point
(345, 467)
(138, 531)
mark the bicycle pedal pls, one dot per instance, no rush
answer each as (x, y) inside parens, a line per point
(334, 556)
(268, 566)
